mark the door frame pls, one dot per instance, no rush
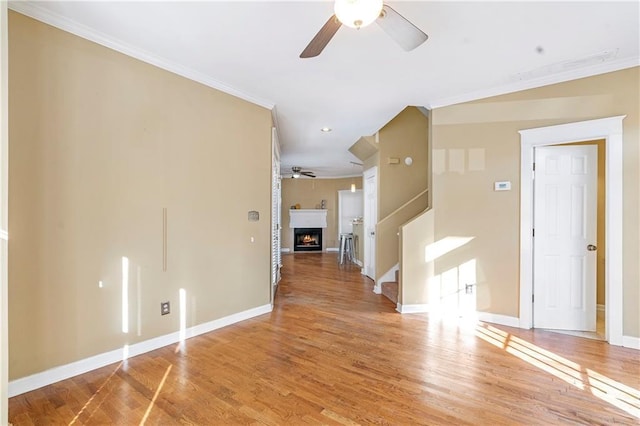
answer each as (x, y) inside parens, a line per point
(609, 129)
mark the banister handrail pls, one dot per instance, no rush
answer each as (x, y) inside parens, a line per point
(402, 207)
(387, 230)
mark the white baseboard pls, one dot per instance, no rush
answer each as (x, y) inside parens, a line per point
(499, 319)
(285, 250)
(332, 249)
(413, 309)
(53, 375)
(438, 313)
(631, 342)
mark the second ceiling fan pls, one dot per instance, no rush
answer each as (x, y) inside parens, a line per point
(296, 172)
(360, 13)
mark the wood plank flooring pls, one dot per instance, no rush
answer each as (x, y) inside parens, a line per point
(333, 352)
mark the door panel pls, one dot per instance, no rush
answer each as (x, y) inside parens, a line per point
(565, 197)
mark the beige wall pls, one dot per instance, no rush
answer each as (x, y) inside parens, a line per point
(309, 193)
(4, 186)
(477, 143)
(100, 143)
(416, 273)
(404, 136)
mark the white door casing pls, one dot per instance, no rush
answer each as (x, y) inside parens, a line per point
(370, 186)
(565, 207)
(611, 130)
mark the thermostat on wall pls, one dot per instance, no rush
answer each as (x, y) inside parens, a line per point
(502, 186)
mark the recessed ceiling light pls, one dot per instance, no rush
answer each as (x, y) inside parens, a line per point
(326, 129)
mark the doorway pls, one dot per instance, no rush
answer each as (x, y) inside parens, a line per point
(609, 129)
(350, 208)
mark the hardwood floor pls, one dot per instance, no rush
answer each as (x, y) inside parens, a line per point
(333, 352)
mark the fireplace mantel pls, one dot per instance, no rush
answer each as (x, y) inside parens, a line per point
(307, 218)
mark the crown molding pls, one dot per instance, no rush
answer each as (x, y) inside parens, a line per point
(602, 68)
(41, 14)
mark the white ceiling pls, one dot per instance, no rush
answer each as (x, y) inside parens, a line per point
(362, 79)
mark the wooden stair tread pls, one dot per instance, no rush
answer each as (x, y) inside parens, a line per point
(390, 290)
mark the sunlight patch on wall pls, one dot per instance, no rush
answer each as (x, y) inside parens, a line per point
(452, 293)
(441, 247)
(139, 299)
(183, 314)
(125, 294)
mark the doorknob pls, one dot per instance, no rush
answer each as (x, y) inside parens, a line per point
(591, 247)
(372, 233)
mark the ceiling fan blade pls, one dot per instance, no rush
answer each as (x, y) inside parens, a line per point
(403, 32)
(309, 174)
(320, 41)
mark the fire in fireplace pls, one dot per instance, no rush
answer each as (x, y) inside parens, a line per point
(307, 239)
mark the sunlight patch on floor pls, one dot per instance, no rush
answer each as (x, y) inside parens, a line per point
(155, 396)
(93, 397)
(617, 394)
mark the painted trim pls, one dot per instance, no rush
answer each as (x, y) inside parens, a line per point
(609, 129)
(631, 342)
(413, 309)
(56, 374)
(332, 249)
(285, 250)
(602, 68)
(498, 319)
(41, 14)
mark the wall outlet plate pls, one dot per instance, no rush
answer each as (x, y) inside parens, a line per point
(165, 308)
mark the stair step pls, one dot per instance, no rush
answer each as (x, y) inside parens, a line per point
(390, 291)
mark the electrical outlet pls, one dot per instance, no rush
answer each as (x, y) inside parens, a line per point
(165, 308)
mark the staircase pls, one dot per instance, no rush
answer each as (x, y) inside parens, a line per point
(390, 289)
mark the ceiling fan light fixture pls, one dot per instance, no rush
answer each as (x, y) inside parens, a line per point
(357, 13)
(295, 175)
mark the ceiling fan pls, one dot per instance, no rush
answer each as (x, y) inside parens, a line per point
(296, 172)
(360, 13)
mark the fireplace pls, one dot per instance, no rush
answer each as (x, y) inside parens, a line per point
(307, 239)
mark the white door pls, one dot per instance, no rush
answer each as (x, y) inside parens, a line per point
(370, 185)
(565, 208)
